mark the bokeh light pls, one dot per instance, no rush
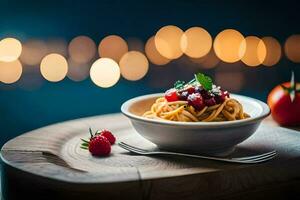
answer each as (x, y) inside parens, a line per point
(196, 42)
(57, 45)
(292, 48)
(273, 51)
(105, 72)
(255, 52)
(209, 61)
(168, 41)
(134, 65)
(82, 49)
(10, 72)
(113, 47)
(10, 49)
(77, 71)
(153, 55)
(33, 52)
(229, 45)
(54, 67)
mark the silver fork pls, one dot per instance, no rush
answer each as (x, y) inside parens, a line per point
(245, 160)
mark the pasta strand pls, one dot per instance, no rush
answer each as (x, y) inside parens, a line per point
(229, 110)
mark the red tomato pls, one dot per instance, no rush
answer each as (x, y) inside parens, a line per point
(284, 111)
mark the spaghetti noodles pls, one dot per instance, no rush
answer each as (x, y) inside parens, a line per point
(197, 100)
(229, 110)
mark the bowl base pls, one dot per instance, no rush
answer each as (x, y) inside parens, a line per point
(222, 152)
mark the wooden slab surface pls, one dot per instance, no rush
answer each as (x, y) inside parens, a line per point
(52, 153)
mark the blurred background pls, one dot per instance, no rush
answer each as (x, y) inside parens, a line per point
(61, 60)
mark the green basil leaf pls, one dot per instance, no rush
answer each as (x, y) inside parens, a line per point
(205, 81)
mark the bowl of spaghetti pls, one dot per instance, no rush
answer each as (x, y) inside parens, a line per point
(196, 117)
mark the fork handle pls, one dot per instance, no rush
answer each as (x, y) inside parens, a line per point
(203, 157)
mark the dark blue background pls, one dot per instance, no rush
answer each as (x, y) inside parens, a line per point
(22, 110)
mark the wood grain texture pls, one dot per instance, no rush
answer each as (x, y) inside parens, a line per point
(51, 157)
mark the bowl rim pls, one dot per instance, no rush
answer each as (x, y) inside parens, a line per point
(125, 110)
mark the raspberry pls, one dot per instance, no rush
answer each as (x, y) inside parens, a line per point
(206, 94)
(221, 98)
(210, 102)
(196, 101)
(190, 90)
(183, 95)
(109, 136)
(99, 146)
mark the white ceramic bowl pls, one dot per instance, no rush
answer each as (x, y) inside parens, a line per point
(211, 138)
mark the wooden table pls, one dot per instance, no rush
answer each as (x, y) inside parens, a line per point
(47, 163)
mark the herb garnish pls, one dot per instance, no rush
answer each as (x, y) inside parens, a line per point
(178, 85)
(204, 80)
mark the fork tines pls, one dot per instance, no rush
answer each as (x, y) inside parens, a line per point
(246, 160)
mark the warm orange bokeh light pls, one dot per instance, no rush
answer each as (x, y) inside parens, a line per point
(153, 55)
(255, 52)
(229, 45)
(292, 48)
(168, 41)
(113, 47)
(82, 49)
(54, 67)
(196, 42)
(10, 49)
(10, 72)
(273, 51)
(33, 52)
(209, 61)
(105, 72)
(134, 65)
(77, 71)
